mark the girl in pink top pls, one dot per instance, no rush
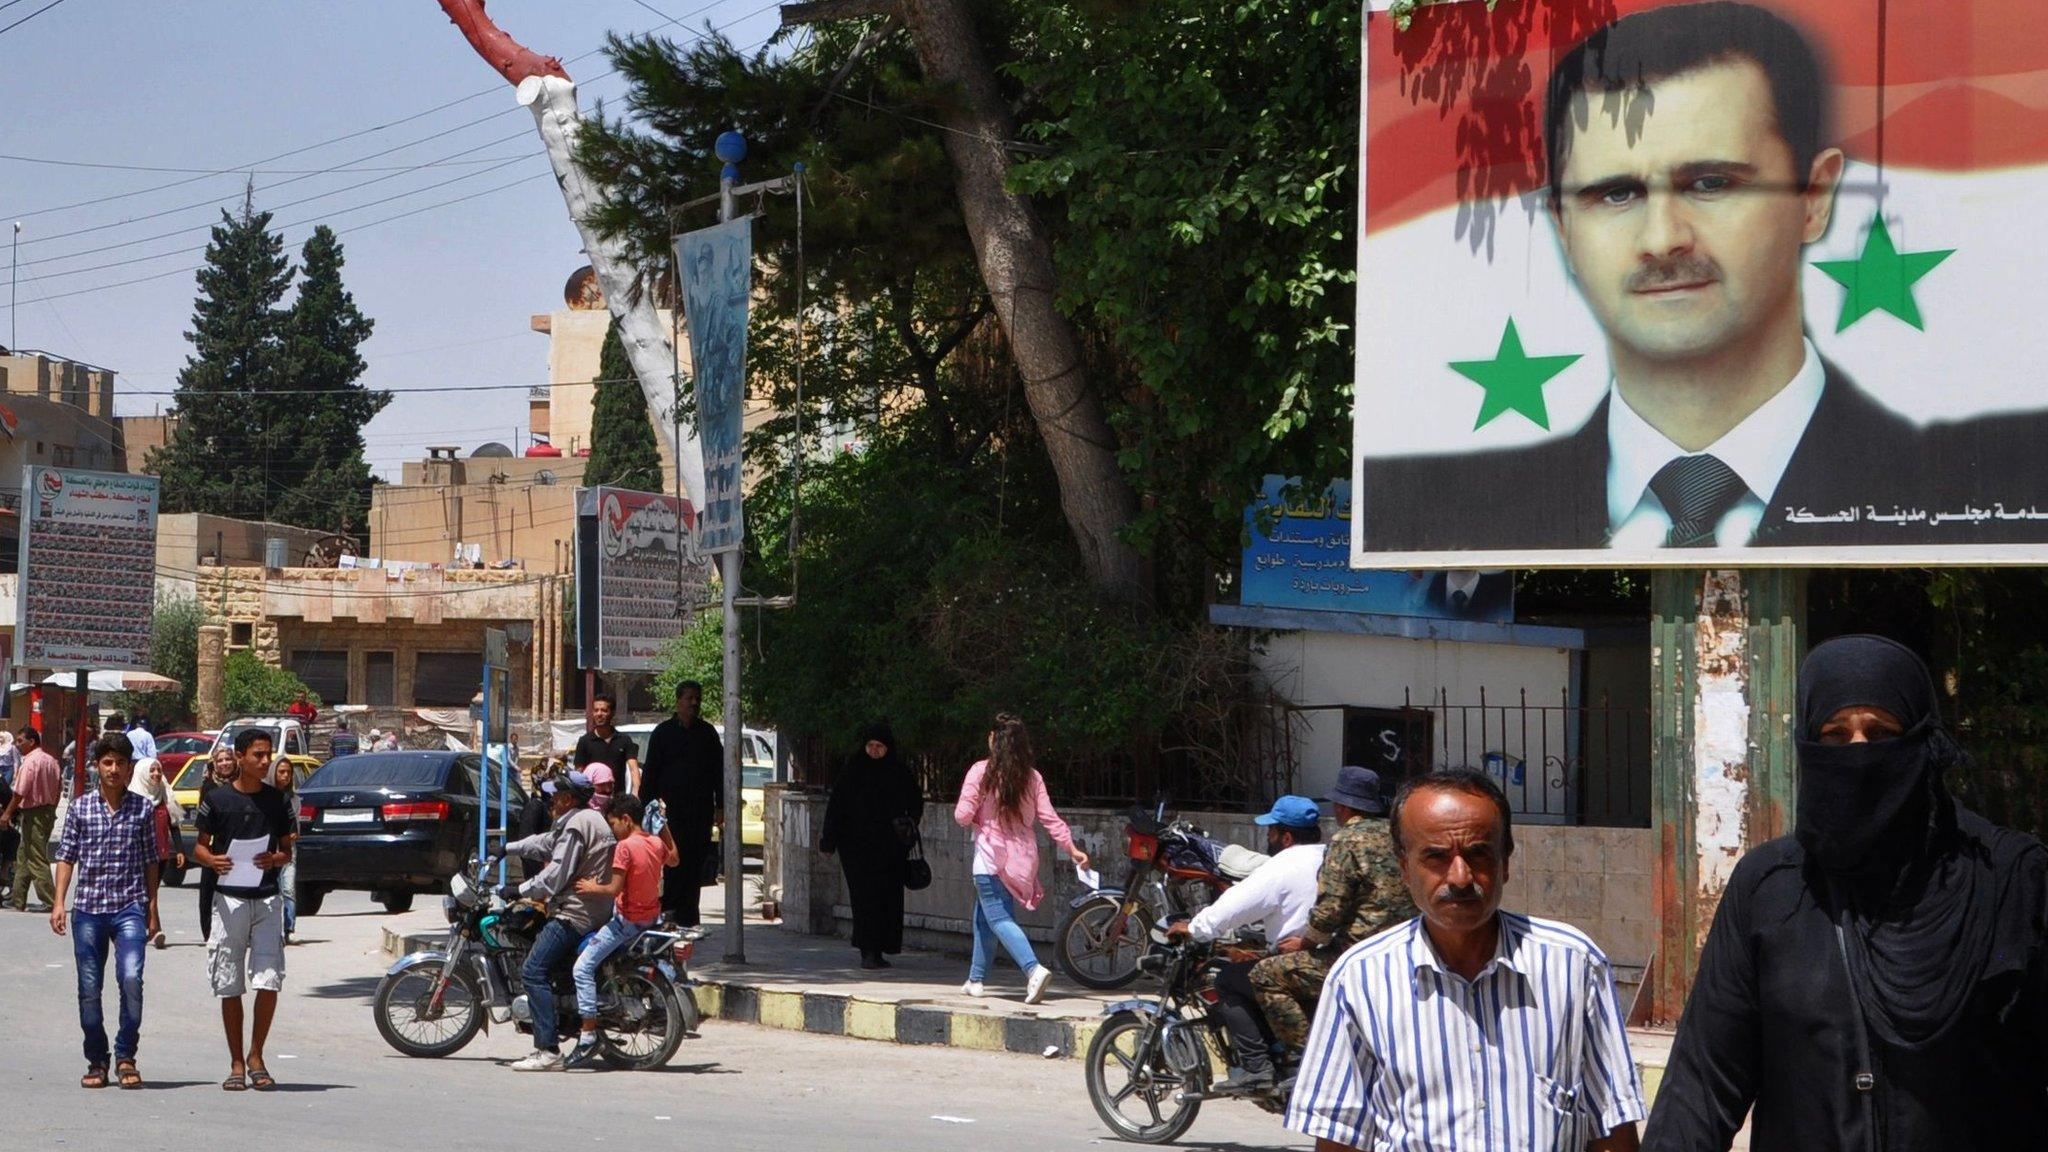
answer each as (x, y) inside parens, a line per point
(1004, 801)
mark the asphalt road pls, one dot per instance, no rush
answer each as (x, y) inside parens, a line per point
(738, 1087)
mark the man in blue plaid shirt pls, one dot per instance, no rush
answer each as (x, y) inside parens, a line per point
(110, 847)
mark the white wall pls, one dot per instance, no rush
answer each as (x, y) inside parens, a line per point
(1315, 669)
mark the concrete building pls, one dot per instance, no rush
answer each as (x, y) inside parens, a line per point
(521, 509)
(576, 333)
(34, 430)
(189, 541)
(29, 372)
(141, 435)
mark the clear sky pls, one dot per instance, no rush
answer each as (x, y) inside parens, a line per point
(221, 85)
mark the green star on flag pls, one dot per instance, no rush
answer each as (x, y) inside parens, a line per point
(1882, 278)
(1513, 380)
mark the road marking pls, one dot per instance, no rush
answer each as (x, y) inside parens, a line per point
(952, 1119)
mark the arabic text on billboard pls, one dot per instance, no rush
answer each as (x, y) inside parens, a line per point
(1734, 283)
(88, 569)
(717, 264)
(646, 579)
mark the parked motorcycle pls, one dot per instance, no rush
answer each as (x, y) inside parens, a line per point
(1149, 1068)
(1176, 870)
(433, 1002)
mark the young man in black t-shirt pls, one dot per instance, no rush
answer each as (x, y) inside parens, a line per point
(606, 745)
(248, 912)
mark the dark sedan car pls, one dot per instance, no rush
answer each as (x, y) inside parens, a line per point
(390, 823)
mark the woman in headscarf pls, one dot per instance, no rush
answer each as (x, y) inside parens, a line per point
(1877, 982)
(871, 823)
(148, 782)
(220, 769)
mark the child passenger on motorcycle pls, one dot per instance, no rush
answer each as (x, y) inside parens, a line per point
(635, 885)
(577, 847)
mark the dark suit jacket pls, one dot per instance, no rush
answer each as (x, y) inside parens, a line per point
(1855, 453)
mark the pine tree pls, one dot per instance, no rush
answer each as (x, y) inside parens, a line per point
(214, 461)
(622, 449)
(322, 480)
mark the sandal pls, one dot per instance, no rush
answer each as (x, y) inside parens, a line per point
(234, 1083)
(124, 1071)
(259, 1079)
(159, 942)
(95, 1076)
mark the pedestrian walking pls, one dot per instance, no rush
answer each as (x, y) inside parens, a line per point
(285, 779)
(601, 743)
(33, 811)
(871, 822)
(303, 710)
(1004, 800)
(245, 831)
(147, 781)
(221, 769)
(1467, 1027)
(1879, 979)
(143, 740)
(685, 770)
(10, 838)
(110, 847)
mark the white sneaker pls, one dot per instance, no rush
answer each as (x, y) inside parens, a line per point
(1034, 990)
(973, 988)
(538, 1060)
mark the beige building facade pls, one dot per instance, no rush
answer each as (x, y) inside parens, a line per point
(47, 377)
(519, 509)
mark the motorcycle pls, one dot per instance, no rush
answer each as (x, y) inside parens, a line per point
(1176, 870)
(1149, 1067)
(433, 1002)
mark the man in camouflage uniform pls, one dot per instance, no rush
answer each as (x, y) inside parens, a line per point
(1358, 893)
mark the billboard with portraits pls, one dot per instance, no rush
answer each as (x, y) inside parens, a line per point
(1702, 282)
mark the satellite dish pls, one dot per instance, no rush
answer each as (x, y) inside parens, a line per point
(491, 451)
(544, 476)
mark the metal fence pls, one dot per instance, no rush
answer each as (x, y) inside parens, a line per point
(1564, 763)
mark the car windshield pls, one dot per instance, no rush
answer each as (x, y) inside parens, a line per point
(414, 770)
(189, 778)
(227, 738)
(193, 744)
(756, 776)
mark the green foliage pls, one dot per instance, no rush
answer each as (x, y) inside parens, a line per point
(269, 408)
(698, 654)
(249, 686)
(173, 652)
(623, 453)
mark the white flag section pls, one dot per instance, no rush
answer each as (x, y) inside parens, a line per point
(1738, 338)
(717, 265)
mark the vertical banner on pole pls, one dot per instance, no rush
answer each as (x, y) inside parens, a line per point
(717, 264)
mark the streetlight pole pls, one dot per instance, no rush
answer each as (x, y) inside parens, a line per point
(731, 148)
(13, 281)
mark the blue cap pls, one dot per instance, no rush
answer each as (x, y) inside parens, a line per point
(1292, 812)
(576, 781)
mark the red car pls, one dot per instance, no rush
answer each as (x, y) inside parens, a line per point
(173, 749)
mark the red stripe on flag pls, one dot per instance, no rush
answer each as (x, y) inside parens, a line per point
(1455, 104)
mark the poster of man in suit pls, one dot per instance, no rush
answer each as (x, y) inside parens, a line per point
(1687, 281)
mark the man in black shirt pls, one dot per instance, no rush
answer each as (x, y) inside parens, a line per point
(606, 745)
(248, 913)
(685, 767)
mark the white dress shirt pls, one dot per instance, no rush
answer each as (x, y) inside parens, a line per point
(1279, 895)
(1528, 1056)
(1758, 450)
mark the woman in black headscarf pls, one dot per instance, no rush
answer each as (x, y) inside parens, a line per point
(871, 823)
(1877, 982)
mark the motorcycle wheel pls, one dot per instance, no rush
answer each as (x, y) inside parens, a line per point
(656, 1021)
(1116, 1084)
(1094, 950)
(401, 1011)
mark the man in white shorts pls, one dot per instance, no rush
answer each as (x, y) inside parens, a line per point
(248, 912)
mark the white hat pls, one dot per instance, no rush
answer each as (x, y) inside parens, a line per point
(374, 733)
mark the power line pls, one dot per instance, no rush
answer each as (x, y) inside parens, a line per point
(30, 16)
(20, 159)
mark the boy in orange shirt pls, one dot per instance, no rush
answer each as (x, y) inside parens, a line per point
(635, 888)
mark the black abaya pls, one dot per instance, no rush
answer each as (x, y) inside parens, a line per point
(873, 803)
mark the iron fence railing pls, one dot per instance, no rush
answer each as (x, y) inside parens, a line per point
(1569, 763)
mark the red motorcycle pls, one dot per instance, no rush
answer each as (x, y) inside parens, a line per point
(1175, 870)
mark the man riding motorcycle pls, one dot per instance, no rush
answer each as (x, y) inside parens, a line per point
(1279, 894)
(578, 846)
(1359, 893)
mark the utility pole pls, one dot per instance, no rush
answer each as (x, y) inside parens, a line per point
(13, 282)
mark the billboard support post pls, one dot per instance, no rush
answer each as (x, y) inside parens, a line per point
(1724, 659)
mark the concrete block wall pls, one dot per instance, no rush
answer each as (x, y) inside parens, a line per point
(1595, 878)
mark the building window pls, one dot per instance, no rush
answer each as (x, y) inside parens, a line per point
(62, 456)
(447, 679)
(241, 634)
(380, 678)
(325, 672)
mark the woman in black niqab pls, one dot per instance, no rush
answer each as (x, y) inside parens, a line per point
(1878, 981)
(871, 823)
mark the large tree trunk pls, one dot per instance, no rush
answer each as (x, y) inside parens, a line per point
(1015, 256)
(544, 87)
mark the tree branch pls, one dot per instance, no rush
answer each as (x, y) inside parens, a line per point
(873, 37)
(818, 11)
(511, 59)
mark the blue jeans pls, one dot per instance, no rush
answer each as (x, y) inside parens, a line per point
(551, 950)
(995, 922)
(616, 934)
(92, 934)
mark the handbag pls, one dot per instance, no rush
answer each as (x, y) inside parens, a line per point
(917, 871)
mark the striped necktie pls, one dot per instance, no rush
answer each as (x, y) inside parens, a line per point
(1697, 491)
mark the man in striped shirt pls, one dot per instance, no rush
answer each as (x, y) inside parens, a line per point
(1467, 1029)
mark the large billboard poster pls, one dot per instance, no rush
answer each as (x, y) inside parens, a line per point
(88, 570)
(1687, 281)
(638, 578)
(718, 266)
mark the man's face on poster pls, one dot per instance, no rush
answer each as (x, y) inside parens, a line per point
(1683, 216)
